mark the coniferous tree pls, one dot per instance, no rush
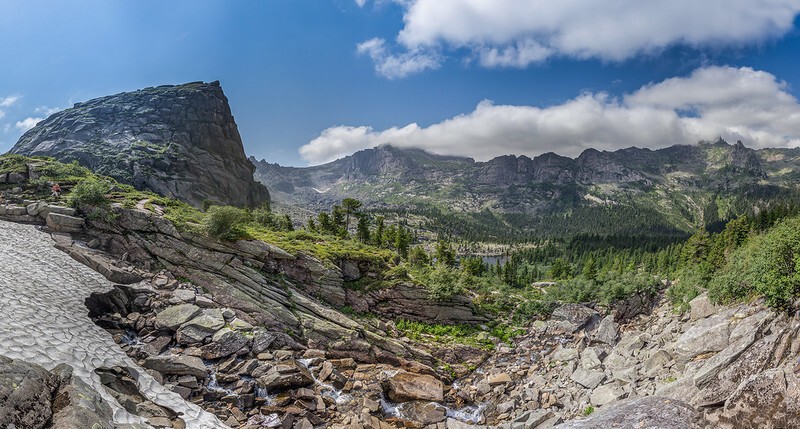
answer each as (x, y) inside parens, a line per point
(362, 229)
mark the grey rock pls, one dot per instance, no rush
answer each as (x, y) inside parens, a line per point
(177, 365)
(26, 392)
(590, 358)
(575, 316)
(701, 307)
(262, 340)
(770, 399)
(76, 405)
(63, 223)
(722, 359)
(565, 355)
(588, 378)
(649, 412)
(656, 363)
(224, 343)
(631, 342)
(175, 316)
(706, 335)
(606, 394)
(606, 331)
(34, 209)
(199, 328)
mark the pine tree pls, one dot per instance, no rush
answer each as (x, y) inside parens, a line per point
(362, 229)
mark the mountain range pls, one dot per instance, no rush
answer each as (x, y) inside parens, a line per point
(665, 191)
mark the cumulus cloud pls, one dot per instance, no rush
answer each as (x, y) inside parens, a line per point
(27, 123)
(735, 103)
(361, 3)
(516, 33)
(9, 101)
(394, 66)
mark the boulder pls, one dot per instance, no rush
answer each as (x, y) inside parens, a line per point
(701, 307)
(588, 378)
(573, 317)
(422, 413)
(224, 343)
(721, 360)
(77, 405)
(63, 223)
(648, 412)
(565, 355)
(606, 332)
(406, 386)
(262, 340)
(497, 379)
(606, 394)
(26, 392)
(34, 209)
(286, 375)
(201, 327)
(706, 335)
(177, 365)
(656, 363)
(770, 399)
(175, 316)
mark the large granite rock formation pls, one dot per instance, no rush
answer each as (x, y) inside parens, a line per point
(180, 141)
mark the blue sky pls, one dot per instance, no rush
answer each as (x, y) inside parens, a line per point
(312, 80)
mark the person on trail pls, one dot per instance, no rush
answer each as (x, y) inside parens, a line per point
(56, 188)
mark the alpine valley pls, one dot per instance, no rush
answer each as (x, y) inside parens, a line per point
(152, 276)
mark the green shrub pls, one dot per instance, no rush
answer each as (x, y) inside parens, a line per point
(88, 193)
(767, 266)
(266, 219)
(443, 283)
(226, 222)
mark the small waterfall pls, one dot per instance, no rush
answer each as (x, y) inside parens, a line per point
(391, 409)
(468, 414)
(130, 338)
(325, 389)
(213, 385)
(267, 421)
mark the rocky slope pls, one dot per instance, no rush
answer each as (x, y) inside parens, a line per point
(677, 187)
(179, 141)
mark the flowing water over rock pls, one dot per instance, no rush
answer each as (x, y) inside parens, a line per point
(44, 321)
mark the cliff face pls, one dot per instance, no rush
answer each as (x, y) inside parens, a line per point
(179, 141)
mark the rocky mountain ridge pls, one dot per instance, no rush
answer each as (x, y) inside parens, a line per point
(178, 141)
(683, 185)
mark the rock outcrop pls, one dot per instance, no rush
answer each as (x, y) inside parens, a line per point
(179, 141)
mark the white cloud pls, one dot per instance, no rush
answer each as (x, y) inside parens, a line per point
(27, 123)
(397, 66)
(9, 101)
(361, 3)
(735, 103)
(47, 111)
(516, 33)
